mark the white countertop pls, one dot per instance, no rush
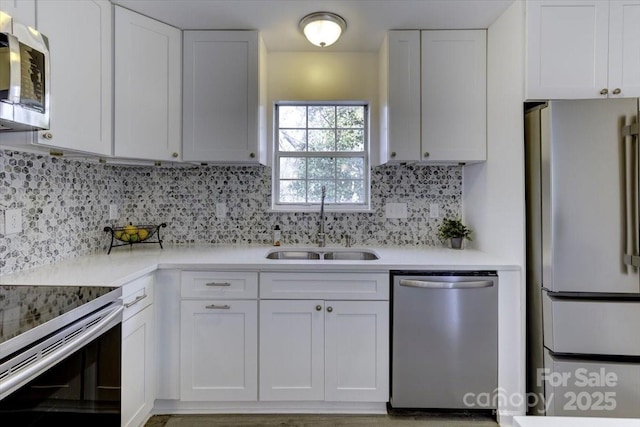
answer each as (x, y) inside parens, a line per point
(125, 264)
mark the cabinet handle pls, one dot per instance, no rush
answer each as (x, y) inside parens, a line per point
(135, 301)
(218, 284)
(318, 307)
(47, 135)
(329, 309)
(604, 91)
(175, 155)
(617, 91)
(218, 307)
(393, 154)
(252, 155)
(426, 154)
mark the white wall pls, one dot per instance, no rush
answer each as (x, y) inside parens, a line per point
(493, 191)
(324, 76)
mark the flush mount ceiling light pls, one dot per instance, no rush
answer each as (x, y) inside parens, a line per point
(322, 28)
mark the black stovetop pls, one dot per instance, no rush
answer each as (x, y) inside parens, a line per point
(24, 308)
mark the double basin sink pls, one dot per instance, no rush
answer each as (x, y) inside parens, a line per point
(323, 254)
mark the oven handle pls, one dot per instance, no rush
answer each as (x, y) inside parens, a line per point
(112, 316)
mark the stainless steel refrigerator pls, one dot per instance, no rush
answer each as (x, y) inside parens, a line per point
(583, 286)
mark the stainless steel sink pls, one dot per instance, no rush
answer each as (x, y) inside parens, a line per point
(293, 254)
(360, 255)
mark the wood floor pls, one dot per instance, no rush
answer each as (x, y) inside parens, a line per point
(293, 420)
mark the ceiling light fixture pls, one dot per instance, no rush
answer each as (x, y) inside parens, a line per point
(322, 28)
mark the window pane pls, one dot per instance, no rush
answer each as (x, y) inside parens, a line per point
(350, 168)
(350, 191)
(350, 117)
(292, 168)
(292, 140)
(350, 140)
(292, 116)
(322, 140)
(293, 191)
(315, 191)
(321, 167)
(322, 117)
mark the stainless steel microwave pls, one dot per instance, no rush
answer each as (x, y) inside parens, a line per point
(24, 77)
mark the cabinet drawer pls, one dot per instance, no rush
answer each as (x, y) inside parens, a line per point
(344, 286)
(219, 284)
(137, 295)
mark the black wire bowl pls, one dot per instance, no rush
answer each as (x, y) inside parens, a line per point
(131, 234)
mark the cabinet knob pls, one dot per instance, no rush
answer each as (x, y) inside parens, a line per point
(318, 307)
(329, 309)
(617, 91)
(426, 154)
(47, 135)
(175, 155)
(393, 154)
(604, 91)
(252, 155)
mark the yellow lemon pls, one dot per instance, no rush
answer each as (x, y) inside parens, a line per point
(143, 234)
(125, 237)
(118, 234)
(130, 229)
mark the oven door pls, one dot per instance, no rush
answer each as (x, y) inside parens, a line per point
(72, 377)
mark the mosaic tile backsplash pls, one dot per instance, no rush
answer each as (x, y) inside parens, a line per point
(65, 206)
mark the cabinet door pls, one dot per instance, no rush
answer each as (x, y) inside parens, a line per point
(221, 96)
(80, 45)
(624, 48)
(148, 84)
(23, 11)
(567, 49)
(219, 354)
(291, 350)
(454, 96)
(138, 367)
(357, 351)
(402, 112)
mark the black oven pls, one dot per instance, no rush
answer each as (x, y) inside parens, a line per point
(60, 356)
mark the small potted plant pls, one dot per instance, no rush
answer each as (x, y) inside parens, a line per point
(454, 231)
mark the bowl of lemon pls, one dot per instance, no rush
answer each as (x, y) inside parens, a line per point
(131, 234)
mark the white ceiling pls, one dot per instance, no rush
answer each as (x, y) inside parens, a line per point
(277, 20)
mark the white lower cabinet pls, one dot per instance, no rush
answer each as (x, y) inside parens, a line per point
(324, 349)
(218, 360)
(219, 336)
(138, 352)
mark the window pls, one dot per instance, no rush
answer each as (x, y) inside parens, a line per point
(321, 145)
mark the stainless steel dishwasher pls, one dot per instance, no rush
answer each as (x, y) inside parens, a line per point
(444, 339)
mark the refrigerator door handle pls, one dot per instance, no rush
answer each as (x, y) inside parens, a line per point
(427, 284)
(632, 185)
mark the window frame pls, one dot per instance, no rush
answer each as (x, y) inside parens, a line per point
(365, 155)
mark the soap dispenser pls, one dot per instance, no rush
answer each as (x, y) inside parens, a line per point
(276, 235)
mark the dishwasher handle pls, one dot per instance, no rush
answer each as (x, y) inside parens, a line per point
(431, 284)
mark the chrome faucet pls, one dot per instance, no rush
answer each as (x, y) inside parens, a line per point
(321, 235)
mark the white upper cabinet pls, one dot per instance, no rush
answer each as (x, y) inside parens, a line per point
(23, 11)
(583, 49)
(148, 85)
(223, 102)
(433, 96)
(454, 96)
(80, 45)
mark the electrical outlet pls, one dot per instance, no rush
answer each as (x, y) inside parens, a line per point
(395, 210)
(113, 211)
(434, 210)
(12, 221)
(221, 210)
